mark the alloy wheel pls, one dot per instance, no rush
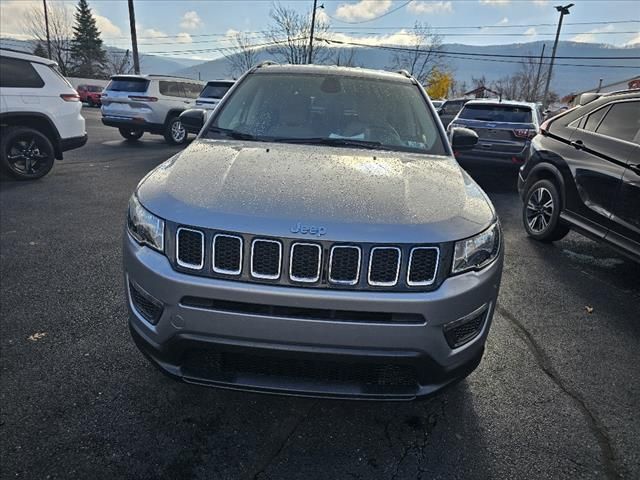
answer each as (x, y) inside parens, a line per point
(539, 210)
(25, 157)
(178, 132)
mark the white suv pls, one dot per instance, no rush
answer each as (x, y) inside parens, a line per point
(39, 115)
(149, 103)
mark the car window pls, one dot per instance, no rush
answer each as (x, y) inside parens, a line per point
(452, 108)
(137, 85)
(192, 90)
(171, 89)
(497, 113)
(622, 121)
(16, 73)
(215, 90)
(593, 120)
(272, 106)
(94, 88)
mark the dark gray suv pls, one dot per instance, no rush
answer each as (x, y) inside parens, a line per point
(318, 238)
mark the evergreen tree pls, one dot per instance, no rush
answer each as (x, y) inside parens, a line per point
(40, 50)
(88, 54)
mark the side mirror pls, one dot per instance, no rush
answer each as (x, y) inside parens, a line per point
(463, 138)
(193, 120)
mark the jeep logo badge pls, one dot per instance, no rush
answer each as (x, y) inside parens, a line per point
(308, 229)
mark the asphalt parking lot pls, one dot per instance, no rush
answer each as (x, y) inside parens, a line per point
(556, 396)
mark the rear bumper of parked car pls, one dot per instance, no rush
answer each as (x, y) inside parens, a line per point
(232, 347)
(479, 156)
(133, 123)
(72, 143)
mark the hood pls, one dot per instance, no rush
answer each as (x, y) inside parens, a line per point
(347, 194)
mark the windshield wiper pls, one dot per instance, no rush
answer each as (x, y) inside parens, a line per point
(235, 134)
(338, 142)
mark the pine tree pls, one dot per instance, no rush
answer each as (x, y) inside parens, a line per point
(40, 50)
(88, 54)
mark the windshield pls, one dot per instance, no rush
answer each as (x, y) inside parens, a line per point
(215, 90)
(497, 113)
(331, 110)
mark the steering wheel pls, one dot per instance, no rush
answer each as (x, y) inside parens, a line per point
(385, 134)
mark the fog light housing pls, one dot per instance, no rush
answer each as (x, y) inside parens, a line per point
(462, 331)
(144, 303)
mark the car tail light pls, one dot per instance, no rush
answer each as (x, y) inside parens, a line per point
(525, 132)
(143, 98)
(70, 97)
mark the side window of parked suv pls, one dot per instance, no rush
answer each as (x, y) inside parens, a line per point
(15, 73)
(621, 121)
(594, 119)
(171, 89)
(192, 90)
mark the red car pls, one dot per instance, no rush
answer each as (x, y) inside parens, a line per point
(90, 94)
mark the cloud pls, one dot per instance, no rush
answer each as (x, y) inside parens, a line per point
(531, 32)
(541, 3)
(363, 10)
(430, 7)
(504, 21)
(495, 3)
(402, 37)
(634, 41)
(591, 36)
(181, 37)
(191, 21)
(107, 27)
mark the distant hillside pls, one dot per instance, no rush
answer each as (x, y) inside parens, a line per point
(148, 63)
(566, 79)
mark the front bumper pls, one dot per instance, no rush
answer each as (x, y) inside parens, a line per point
(299, 351)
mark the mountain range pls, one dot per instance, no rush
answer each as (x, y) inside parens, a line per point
(465, 61)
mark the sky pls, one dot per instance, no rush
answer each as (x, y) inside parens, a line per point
(199, 28)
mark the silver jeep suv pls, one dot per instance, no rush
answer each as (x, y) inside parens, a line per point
(318, 238)
(136, 104)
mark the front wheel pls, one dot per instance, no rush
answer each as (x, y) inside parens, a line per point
(174, 132)
(131, 134)
(541, 212)
(25, 153)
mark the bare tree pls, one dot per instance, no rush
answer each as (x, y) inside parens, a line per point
(290, 34)
(345, 58)
(424, 54)
(60, 32)
(118, 63)
(522, 84)
(242, 55)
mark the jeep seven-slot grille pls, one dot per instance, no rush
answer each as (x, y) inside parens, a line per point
(313, 263)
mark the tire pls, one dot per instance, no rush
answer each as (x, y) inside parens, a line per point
(174, 132)
(90, 102)
(131, 134)
(541, 212)
(26, 153)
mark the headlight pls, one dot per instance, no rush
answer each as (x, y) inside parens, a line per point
(477, 252)
(145, 227)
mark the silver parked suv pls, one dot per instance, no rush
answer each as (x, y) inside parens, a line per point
(149, 103)
(318, 238)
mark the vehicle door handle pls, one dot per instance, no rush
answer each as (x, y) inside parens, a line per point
(635, 167)
(578, 145)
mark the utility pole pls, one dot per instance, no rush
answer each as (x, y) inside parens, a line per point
(535, 91)
(564, 10)
(134, 38)
(46, 22)
(313, 26)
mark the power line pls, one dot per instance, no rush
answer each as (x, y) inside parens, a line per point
(470, 54)
(374, 18)
(469, 27)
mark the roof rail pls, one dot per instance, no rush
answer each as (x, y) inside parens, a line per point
(266, 63)
(404, 72)
(171, 76)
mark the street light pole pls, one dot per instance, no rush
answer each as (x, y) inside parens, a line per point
(313, 26)
(564, 10)
(134, 38)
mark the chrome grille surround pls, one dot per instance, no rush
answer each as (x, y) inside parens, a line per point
(371, 259)
(213, 254)
(191, 266)
(261, 275)
(345, 282)
(435, 270)
(313, 279)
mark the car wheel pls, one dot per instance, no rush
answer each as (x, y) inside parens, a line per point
(131, 134)
(541, 212)
(175, 133)
(25, 153)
